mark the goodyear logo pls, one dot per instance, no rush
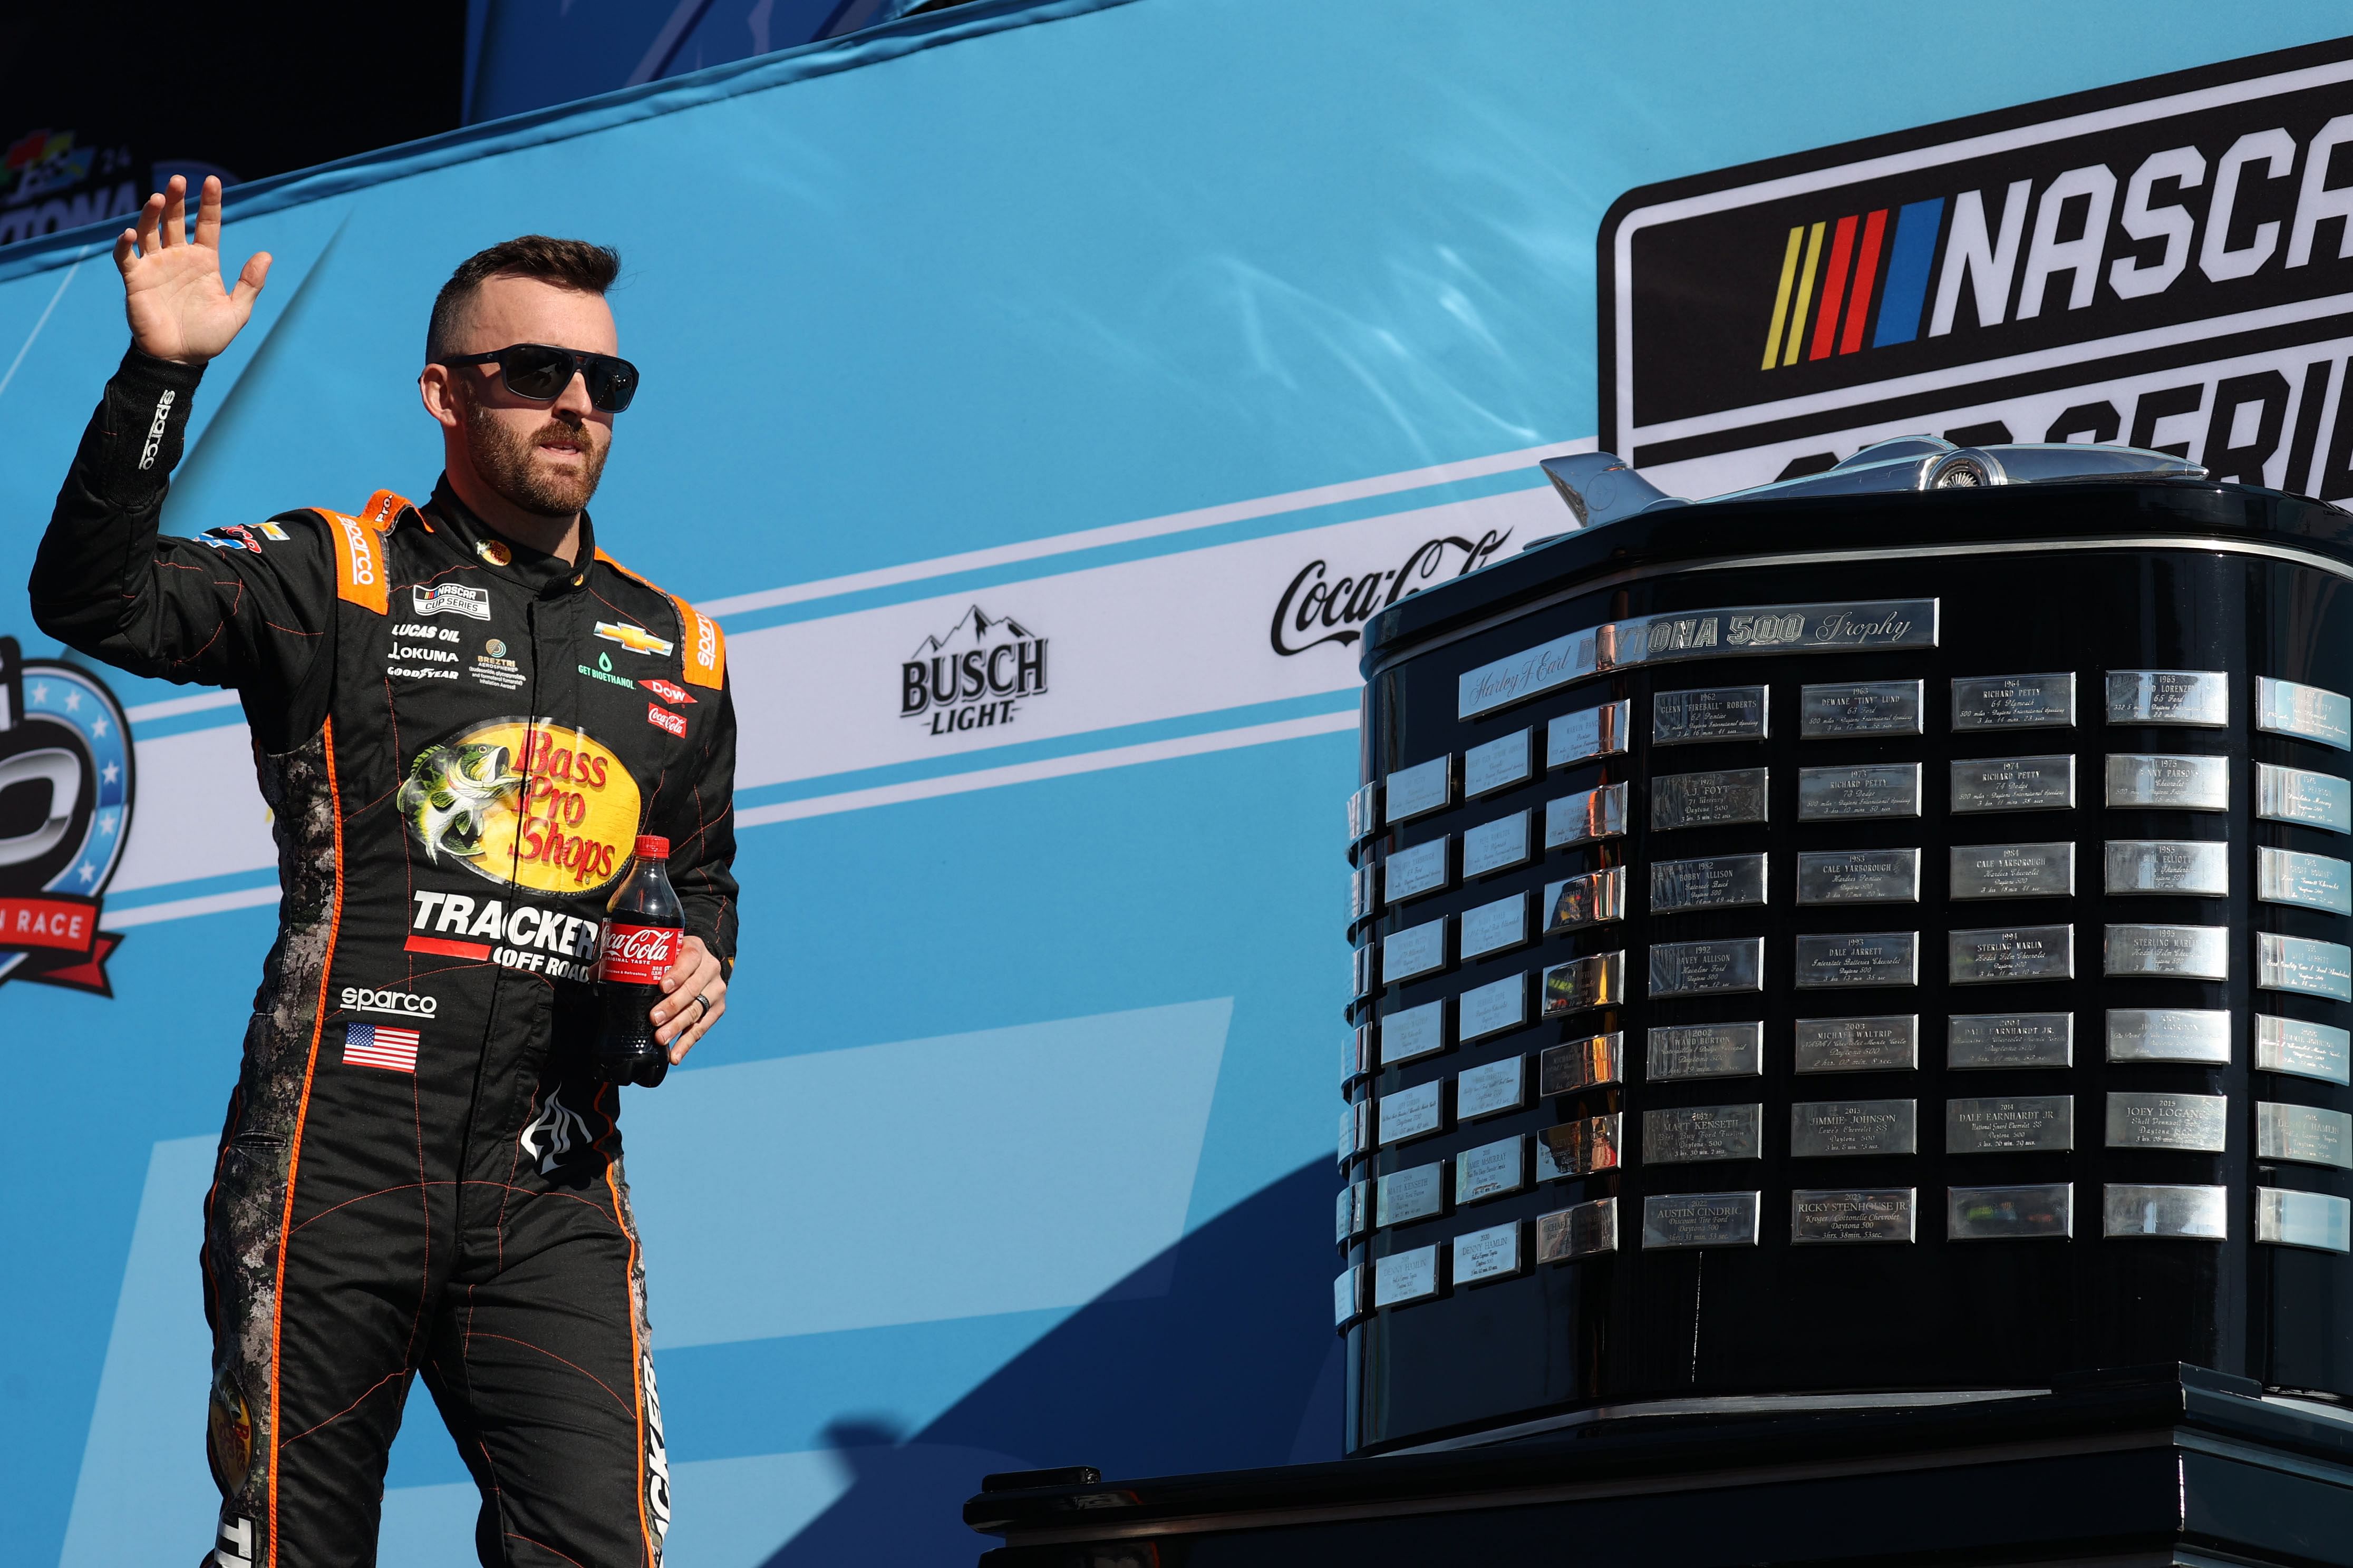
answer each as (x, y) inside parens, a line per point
(2168, 264)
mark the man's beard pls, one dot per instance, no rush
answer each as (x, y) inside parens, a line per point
(504, 459)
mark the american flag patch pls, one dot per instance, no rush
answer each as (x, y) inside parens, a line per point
(378, 1046)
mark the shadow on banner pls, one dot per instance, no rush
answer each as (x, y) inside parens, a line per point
(1213, 1372)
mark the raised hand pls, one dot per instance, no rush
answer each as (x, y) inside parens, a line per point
(172, 284)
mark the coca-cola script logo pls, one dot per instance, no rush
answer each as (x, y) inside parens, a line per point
(1318, 607)
(65, 812)
(638, 955)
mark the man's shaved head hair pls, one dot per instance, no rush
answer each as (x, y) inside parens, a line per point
(566, 263)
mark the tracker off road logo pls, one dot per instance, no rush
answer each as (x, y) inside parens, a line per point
(65, 812)
(2166, 263)
(974, 676)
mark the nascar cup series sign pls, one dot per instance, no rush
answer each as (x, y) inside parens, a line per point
(2167, 264)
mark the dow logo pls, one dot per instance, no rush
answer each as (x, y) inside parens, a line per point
(65, 812)
(974, 676)
(2167, 263)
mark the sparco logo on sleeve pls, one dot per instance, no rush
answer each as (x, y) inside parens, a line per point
(2167, 263)
(155, 431)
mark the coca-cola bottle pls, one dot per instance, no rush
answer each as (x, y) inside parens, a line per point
(641, 941)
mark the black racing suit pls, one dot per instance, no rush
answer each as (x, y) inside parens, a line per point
(459, 739)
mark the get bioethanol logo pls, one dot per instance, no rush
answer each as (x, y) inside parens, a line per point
(2167, 263)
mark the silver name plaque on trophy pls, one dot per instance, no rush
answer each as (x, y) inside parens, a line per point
(1887, 1044)
(2308, 712)
(2199, 1035)
(1499, 764)
(2152, 1119)
(1858, 790)
(1348, 1295)
(1409, 873)
(2286, 1218)
(1598, 979)
(1695, 634)
(1830, 1129)
(2306, 1050)
(2303, 1134)
(1355, 1131)
(1692, 1133)
(1858, 876)
(1715, 881)
(1489, 1254)
(1492, 846)
(1403, 1196)
(1577, 1148)
(1580, 737)
(1411, 1112)
(2180, 952)
(2010, 1040)
(1490, 1088)
(2045, 1210)
(1360, 962)
(1705, 1050)
(1491, 1170)
(1416, 950)
(2009, 1124)
(1699, 968)
(2310, 881)
(1582, 1065)
(1361, 815)
(2016, 952)
(1577, 1231)
(2191, 698)
(2011, 870)
(1860, 708)
(2012, 784)
(1355, 1061)
(1363, 897)
(1585, 816)
(1418, 790)
(1494, 927)
(1707, 800)
(2015, 702)
(1850, 1214)
(2294, 795)
(1594, 899)
(1351, 1220)
(1404, 1277)
(1711, 713)
(2171, 866)
(2170, 784)
(1413, 1032)
(2165, 1213)
(1491, 1008)
(1700, 1219)
(2301, 964)
(2302, 1219)
(1858, 958)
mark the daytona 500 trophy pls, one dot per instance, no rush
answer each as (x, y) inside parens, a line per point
(1852, 987)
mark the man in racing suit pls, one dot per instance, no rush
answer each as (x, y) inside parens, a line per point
(463, 714)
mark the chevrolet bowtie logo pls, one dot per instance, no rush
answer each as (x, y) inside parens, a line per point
(637, 640)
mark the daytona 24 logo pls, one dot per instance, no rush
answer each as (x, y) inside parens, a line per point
(65, 812)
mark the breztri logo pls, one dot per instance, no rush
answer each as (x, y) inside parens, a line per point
(155, 431)
(2167, 263)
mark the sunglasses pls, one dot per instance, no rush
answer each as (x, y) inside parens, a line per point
(540, 373)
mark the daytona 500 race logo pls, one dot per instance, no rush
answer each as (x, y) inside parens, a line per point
(65, 812)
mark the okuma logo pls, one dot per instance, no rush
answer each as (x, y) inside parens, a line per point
(2162, 263)
(974, 676)
(65, 812)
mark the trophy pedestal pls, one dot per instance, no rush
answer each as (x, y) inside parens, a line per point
(2150, 1466)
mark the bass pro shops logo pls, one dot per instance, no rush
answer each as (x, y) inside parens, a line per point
(974, 676)
(525, 802)
(65, 812)
(2168, 264)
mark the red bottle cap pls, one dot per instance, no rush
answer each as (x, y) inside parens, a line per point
(652, 848)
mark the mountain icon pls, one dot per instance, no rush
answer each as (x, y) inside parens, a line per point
(978, 629)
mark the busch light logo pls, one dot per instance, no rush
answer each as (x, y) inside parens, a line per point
(65, 812)
(975, 677)
(2161, 264)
